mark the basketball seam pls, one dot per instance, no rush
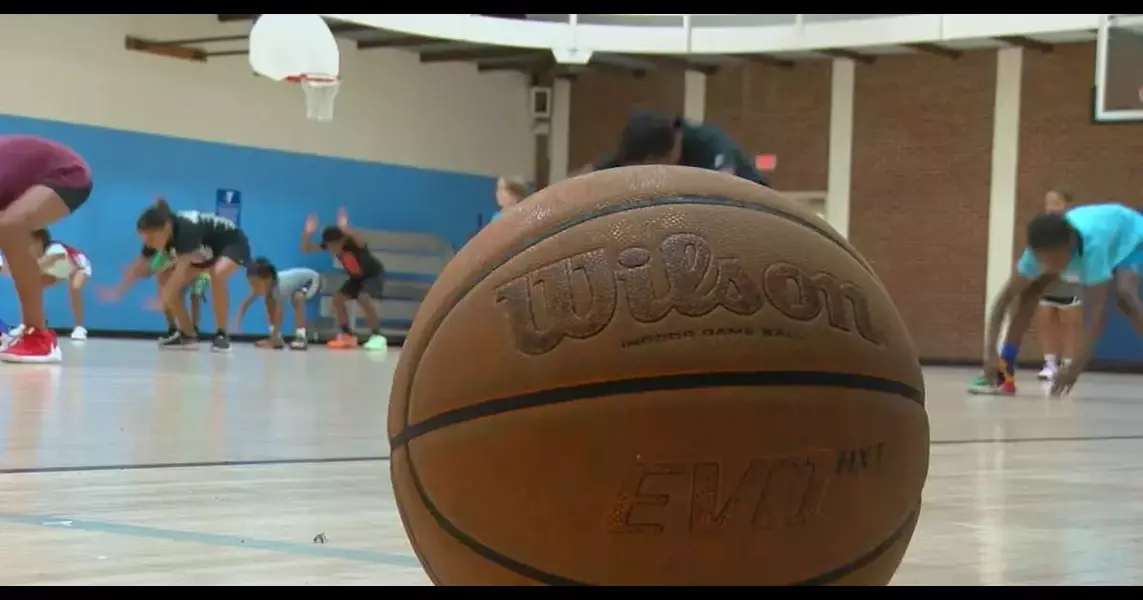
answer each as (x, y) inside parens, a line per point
(439, 316)
(683, 382)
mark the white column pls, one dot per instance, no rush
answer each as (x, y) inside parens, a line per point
(840, 144)
(694, 96)
(1005, 157)
(559, 136)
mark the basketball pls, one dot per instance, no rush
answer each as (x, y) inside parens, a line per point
(658, 376)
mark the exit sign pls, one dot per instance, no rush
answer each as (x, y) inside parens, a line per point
(766, 162)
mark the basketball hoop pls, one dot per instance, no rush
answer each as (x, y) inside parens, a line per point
(321, 93)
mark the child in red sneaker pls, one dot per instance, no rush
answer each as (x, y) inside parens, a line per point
(41, 182)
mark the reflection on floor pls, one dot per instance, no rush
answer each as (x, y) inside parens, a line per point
(130, 466)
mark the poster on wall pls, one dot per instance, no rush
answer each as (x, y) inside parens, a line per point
(228, 205)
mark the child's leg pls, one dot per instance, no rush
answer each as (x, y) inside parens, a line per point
(300, 314)
(365, 301)
(349, 291)
(1071, 327)
(224, 267)
(75, 292)
(46, 281)
(376, 340)
(341, 311)
(299, 300)
(1127, 297)
(37, 208)
(161, 278)
(176, 305)
(196, 308)
(1048, 328)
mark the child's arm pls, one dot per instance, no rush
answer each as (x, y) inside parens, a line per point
(343, 225)
(136, 271)
(1095, 297)
(246, 304)
(307, 234)
(270, 306)
(276, 316)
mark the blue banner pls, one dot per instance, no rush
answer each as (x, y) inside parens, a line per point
(228, 205)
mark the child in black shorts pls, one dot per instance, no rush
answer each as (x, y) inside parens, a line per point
(363, 268)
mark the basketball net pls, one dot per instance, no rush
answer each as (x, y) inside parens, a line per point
(321, 94)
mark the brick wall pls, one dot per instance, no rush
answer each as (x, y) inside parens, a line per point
(778, 111)
(921, 172)
(601, 101)
(921, 159)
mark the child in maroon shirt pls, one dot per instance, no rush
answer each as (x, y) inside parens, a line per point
(41, 182)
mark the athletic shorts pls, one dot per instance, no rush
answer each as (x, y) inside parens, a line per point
(73, 197)
(309, 290)
(354, 286)
(237, 250)
(161, 262)
(65, 269)
(1134, 261)
(1061, 301)
(200, 286)
(83, 264)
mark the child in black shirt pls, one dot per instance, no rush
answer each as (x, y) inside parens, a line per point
(363, 268)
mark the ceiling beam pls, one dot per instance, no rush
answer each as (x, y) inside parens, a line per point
(334, 26)
(475, 54)
(166, 50)
(202, 40)
(1026, 43)
(935, 50)
(228, 53)
(857, 57)
(607, 67)
(675, 62)
(773, 61)
(537, 66)
(399, 41)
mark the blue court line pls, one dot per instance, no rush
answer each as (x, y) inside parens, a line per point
(212, 539)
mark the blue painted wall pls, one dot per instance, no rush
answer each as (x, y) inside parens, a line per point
(1119, 343)
(279, 189)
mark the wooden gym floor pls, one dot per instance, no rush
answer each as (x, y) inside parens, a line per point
(129, 466)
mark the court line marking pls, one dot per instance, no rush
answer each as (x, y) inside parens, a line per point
(194, 465)
(1034, 440)
(362, 459)
(212, 539)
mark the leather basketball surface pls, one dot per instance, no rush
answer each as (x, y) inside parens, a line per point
(663, 376)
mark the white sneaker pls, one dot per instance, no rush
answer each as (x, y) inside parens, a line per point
(79, 334)
(9, 338)
(1048, 373)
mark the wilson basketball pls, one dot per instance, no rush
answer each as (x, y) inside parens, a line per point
(658, 376)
